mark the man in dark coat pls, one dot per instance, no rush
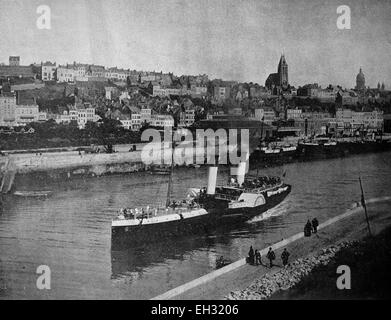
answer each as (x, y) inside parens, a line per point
(285, 256)
(258, 260)
(251, 255)
(315, 225)
(271, 256)
(307, 228)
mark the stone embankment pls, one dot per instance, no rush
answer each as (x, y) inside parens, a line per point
(288, 276)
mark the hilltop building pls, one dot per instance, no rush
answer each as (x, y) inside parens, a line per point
(360, 81)
(278, 81)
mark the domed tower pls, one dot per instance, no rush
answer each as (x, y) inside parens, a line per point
(360, 81)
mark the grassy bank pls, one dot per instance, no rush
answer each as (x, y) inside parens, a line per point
(370, 264)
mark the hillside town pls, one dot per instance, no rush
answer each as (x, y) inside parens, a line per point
(80, 93)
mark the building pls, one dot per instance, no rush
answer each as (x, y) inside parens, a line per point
(135, 121)
(96, 71)
(65, 74)
(117, 74)
(360, 81)
(26, 86)
(314, 123)
(354, 121)
(48, 71)
(80, 114)
(16, 72)
(25, 114)
(146, 115)
(221, 90)
(267, 115)
(160, 91)
(187, 118)
(293, 114)
(7, 109)
(160, 120)
(111, 92)
(14, 61)
(309, 90)
(278, 81)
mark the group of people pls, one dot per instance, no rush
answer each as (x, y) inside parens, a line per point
(137, 213)
(254, 257)
(261, 182)
(311, 227)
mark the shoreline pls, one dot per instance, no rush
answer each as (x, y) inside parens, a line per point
(239, 275)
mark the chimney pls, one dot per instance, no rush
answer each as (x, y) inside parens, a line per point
(241, 170)
(212, 178)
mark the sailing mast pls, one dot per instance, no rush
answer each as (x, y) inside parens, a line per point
(168, 201)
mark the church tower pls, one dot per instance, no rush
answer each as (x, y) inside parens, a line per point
(360, 81)
(283, 72)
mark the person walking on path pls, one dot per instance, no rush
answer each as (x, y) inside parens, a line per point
(271, 256)
(251, 255)
(315, 225)
(307, 228)
(258, 260)
(284, 257)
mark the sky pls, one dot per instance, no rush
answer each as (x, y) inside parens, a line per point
(230, 39)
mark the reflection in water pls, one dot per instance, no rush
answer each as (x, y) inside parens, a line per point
(71, 230)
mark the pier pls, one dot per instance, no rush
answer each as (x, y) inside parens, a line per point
(209, 284)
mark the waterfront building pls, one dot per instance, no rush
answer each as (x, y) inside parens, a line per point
(267, 115)
(354, 121)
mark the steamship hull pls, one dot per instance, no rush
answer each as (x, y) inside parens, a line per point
(146, 233)
(340, 149)
(220, 216)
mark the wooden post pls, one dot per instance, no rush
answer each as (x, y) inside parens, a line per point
(365, 207)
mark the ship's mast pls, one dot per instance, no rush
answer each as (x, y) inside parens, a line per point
(168, 201)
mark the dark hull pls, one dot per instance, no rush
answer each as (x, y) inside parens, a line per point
(341, 149)
(219, 217)
(316, 152)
